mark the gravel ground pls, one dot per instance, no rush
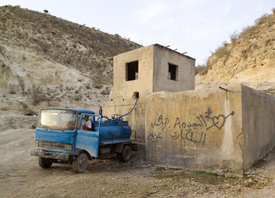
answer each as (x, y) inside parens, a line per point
(21, 176)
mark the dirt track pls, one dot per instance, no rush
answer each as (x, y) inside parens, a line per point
(20, 176)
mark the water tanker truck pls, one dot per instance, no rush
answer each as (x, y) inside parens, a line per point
(62, 136)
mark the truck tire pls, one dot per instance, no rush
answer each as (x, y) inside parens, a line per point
(80, 163)
(45, 162)
(126, 153)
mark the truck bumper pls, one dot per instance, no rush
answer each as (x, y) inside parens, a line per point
(52, 155)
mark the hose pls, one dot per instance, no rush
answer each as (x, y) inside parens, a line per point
(129, 111)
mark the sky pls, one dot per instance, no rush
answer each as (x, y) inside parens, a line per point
(197, 27)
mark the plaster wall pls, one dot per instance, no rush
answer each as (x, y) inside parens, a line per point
(185, 74)
(258, 124)
(121, 99)
(200, 130)
(122, 89)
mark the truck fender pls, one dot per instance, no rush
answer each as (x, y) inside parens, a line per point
(78, 152)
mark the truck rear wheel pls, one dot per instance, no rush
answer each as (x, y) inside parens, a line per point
(80, 163)
(45, 162)
(126, 153)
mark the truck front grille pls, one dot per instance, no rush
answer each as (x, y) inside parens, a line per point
(53, 145)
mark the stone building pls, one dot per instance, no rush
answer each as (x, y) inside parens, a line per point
(144, 71)
(223, 130)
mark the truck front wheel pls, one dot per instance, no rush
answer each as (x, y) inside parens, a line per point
(80, 163)
(45, 162)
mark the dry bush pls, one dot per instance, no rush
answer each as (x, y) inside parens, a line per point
(21, 83)
(244, 54)
(200, 68)
(269, 42)
(36, 94)
(78, 96)
(100, 80)
(25, 106)
(12, 89)
(208, 66)
(265, 19)
(222, 51)
(234, 36)
(249, 31)
(262, 19)
(3, 19)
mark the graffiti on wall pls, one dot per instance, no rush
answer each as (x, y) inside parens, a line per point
(159, 125)
(191, 131)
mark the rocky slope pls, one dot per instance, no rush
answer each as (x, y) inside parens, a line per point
(248, 59)
(48, 61)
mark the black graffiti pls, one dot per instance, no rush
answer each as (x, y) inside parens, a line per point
(217, 121)
(160, 124)
(154, 137)
(189, 136)
(189, 131)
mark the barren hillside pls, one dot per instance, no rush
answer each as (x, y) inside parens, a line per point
(48, 61)
(249, 58)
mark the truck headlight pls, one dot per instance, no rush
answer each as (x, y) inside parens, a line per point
(37, 143)
(68, 147)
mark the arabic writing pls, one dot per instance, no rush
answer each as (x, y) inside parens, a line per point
(203, 122)
(215, 121)
(154, 137)
(194, 131)
(160, 124)
(189, 136)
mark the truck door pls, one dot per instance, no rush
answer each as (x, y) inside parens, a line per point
(88, 138)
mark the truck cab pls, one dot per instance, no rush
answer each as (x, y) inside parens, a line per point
(61, 135)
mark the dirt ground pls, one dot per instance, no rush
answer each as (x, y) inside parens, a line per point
(21, 176)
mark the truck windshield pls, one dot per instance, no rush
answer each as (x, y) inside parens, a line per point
(57, 119)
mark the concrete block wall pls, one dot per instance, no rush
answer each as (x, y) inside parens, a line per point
(213, 129)
(258, 123)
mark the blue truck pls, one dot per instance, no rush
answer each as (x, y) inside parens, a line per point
(61, 136)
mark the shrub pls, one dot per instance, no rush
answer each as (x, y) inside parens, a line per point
(25, 106)
(200, 68)
(36, 94)
(207, 67)
(234, 36)
(12, 89)
(78, 97)
(21, 83)
(249, 31)
(3, 19)
(222, 51)
(262, 19)
(100, 80)
(244, 54)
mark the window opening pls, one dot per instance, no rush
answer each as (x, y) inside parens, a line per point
(88, 123)
(173, 72)
(132, 71)
(136, 95)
